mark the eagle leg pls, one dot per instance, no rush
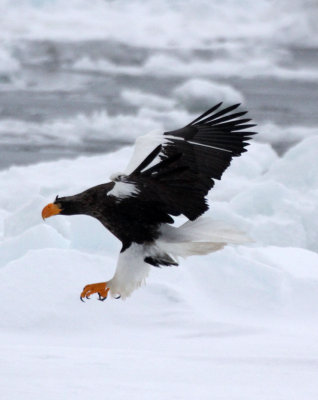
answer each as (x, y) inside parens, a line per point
(100, 288)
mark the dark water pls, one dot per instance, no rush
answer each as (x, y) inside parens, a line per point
(55, 91)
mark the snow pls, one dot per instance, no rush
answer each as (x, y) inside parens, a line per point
(165, 23)
(8, 64)
(287, 135)
(193, 39)
(141, 99)
(245, 314)
(195, 93)
(238, 324)
(266, 62)
(155, 113)
(97, 127)
(76, 130)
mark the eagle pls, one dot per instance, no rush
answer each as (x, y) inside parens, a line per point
(169, 175)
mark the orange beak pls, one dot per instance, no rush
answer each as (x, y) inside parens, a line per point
(50, 210)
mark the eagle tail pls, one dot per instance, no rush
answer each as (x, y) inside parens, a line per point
(199, 237)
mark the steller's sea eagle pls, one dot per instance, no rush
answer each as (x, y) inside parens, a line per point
(169, 175)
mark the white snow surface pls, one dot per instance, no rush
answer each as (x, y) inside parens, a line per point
(240, 323)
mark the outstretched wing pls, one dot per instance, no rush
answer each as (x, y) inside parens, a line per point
(178, 173)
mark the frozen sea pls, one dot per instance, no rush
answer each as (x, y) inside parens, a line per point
(79, 81)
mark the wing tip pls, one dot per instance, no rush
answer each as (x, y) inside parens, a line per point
(209, 118)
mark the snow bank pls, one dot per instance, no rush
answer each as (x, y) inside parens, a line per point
(286, 135)
(247, 312)
(277, 206)
(274, 200)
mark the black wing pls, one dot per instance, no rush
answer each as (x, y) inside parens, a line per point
(191, 159)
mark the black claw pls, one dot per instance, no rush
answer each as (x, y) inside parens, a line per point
(100, 298)
(118, 297)
(82, 299)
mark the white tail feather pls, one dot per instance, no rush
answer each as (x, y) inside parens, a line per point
(199, 237)
(186, 249)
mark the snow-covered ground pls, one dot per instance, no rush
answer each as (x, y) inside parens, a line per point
(237, 324)
(79, 77)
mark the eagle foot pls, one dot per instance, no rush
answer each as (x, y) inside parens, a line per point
(100, 288)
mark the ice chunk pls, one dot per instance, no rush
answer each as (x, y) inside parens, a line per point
(195, 94)
(38, 237)
(147, 100)
(299, 167)
(24, 218)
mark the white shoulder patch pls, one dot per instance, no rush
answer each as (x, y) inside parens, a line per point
(123, 190)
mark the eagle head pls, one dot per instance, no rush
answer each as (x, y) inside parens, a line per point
(62, 205)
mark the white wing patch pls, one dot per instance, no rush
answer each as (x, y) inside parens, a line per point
(143, 147)
(122, 190)
(146, 143)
